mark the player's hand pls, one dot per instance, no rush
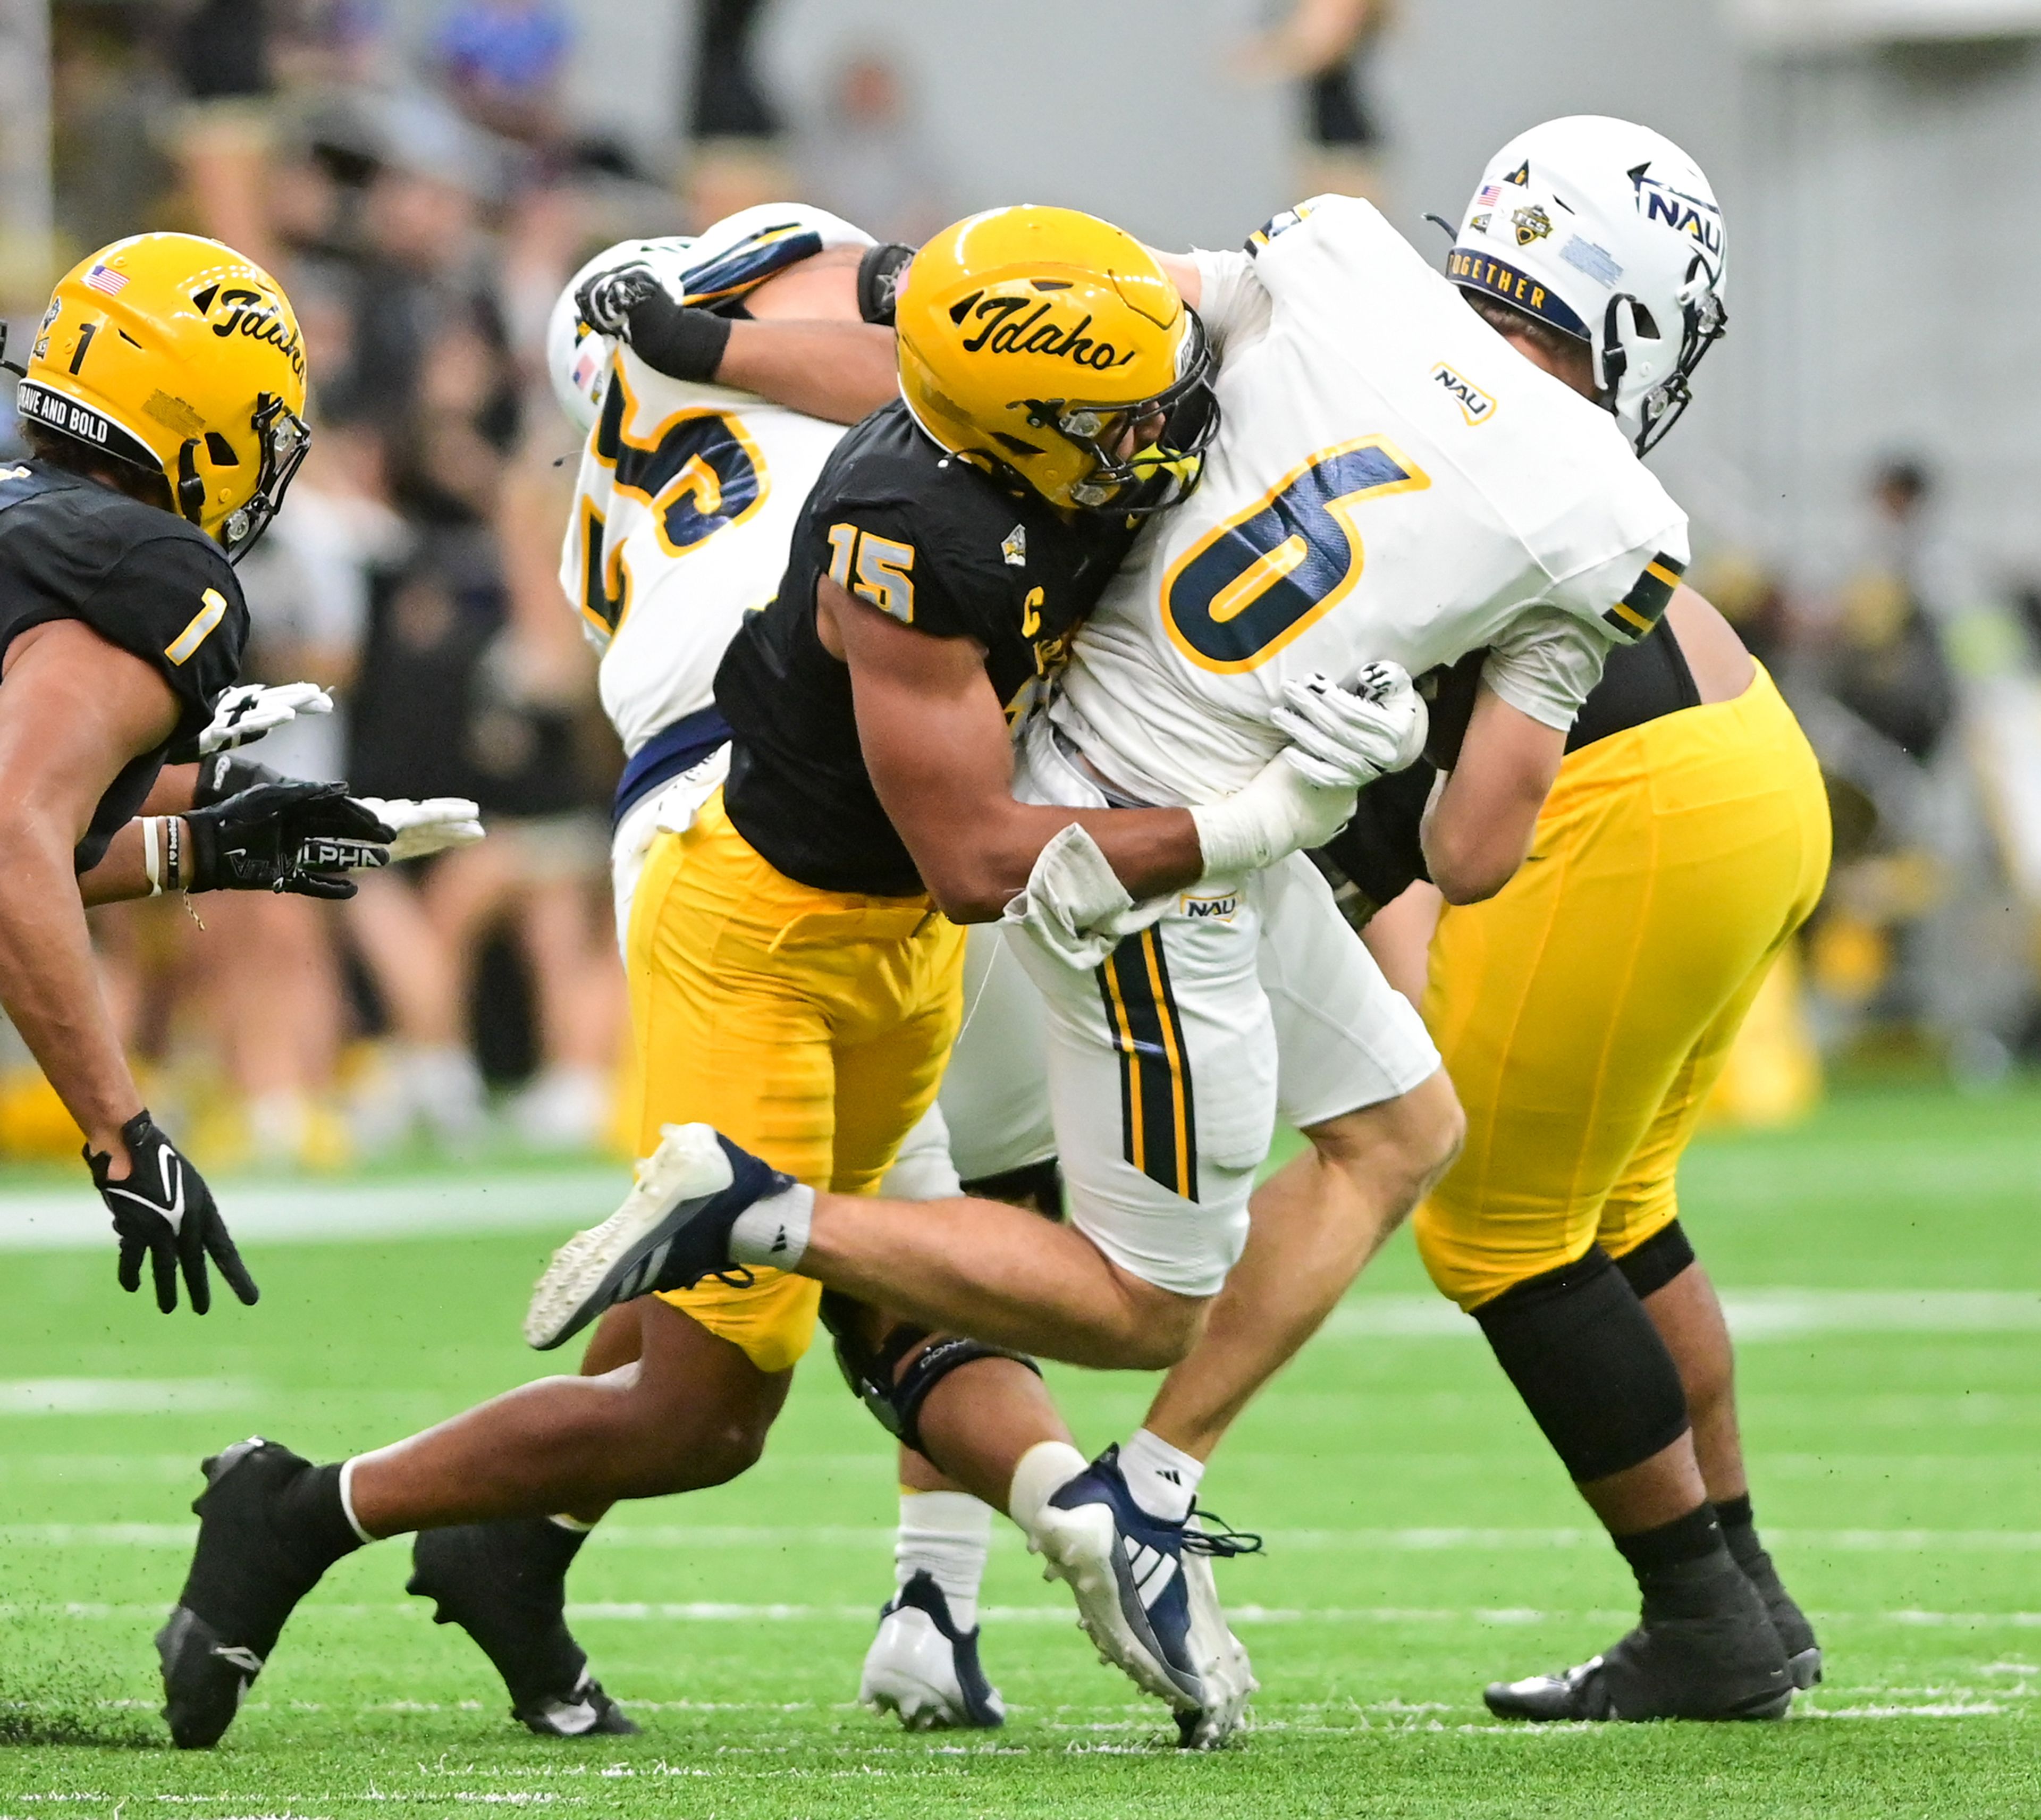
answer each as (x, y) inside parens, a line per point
(163, 1211)
(246, 712)
(1347, 738)
(630, 304)
(427, 827)
(286, 836)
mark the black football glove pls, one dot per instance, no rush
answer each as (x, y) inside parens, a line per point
(630, 304)
(287, 836)
(164, 1211)
(226, 774)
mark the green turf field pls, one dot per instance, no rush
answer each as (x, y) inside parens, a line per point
(1886, 1267)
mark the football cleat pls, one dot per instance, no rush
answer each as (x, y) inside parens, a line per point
(1796, 1635)
(1728, 1665)
(1229, 1676)
(247, 1573)
(505, 1585)
(1134, 1601)
(671, 1230)
(922, 1667)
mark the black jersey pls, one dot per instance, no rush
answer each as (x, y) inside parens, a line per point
(941, 546)
(142, 578)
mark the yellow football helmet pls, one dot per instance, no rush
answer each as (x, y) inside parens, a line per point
(1029, 337)
(178, 355)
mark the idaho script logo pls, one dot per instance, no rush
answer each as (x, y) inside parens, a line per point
(256, 317)
(1006, 331)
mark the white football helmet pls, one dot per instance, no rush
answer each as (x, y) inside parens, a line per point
(705, 269)
(1608, 231)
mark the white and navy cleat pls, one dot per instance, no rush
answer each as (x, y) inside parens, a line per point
(671, 1230)
(1135, 1602)
(922, 1667)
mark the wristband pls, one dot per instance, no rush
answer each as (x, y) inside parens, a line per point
(683, 344)
(174, 840)
(151, 860)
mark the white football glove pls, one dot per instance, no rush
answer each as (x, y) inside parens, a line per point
(426, 827)
(248, 710)
(1349, 737)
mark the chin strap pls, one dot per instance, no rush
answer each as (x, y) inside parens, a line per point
(191, 489)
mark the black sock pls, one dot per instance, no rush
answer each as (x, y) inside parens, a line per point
(1679, 1566)
(309, 1511)
(1739, 1527)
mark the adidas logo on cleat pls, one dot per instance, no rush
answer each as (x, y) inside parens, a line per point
(240, 1656)
(1152, 1569)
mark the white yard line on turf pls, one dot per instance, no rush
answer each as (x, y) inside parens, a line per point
(1303, 1541)
(1754, 1314)
(68, 1219)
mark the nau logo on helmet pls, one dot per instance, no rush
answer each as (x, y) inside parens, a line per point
(257, 317)
(1531, 223)
(1690, 214)
(1007, 331)
(1475, 404)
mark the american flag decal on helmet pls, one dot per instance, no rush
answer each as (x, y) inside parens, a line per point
(106, 279)
(1638, 610)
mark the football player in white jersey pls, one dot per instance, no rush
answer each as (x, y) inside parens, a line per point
(1372, 420)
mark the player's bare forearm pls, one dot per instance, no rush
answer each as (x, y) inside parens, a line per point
(839, 371)
(74, 710)
(49, 984)
(936, 742)
(122, 873)
(1479, 827)
(173, 792)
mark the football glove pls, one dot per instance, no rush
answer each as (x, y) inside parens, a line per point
(1347, 738)
(630, 304)
(248, 710)
(164, 1212)
(425, 827)
(286, 836)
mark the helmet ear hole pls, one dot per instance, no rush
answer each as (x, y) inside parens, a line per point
(219, 451)
(1647, 324)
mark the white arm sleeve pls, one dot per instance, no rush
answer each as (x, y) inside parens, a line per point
(1544, 663)
(1231, 303)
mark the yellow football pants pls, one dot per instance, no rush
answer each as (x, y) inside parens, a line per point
(1586, 1010)
(812, 1027)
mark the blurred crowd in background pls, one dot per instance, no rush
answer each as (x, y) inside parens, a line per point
(423, 206)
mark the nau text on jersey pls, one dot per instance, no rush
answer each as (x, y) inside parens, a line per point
(1475, 404)
(1211, 909)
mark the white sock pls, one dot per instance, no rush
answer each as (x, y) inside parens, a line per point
(946, 1534)
(775, 1230)
(1045, 1466)
(1164, 1479)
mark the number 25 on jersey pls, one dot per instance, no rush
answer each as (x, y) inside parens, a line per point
(1247, 587)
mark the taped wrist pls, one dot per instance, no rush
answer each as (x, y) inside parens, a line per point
(681, 343)
(1589, 1365)
(1279, 812)
(879, 281)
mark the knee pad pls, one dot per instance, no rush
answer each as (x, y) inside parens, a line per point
(1650, 1266)
(1037, 1187)
(1588, 1364)
(895, 1397)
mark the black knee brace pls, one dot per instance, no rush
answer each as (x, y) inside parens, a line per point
(1657, 1261)
(894, 1396)
(1038, 1186)
(1588, 1364)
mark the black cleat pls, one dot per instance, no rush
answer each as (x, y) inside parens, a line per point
(1796, 1635)
(505, 1585)
(252, 1565)
(1726, 1664)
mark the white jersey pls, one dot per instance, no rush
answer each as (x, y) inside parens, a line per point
(1390, 480)
(688, 494)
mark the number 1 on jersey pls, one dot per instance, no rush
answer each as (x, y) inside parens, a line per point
(1247, 587)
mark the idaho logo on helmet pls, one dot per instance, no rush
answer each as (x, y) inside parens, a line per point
(1032, 339)
(177, 354)
(1608, 232)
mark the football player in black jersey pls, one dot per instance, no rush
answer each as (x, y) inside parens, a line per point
(938, 562)
(161, 401)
